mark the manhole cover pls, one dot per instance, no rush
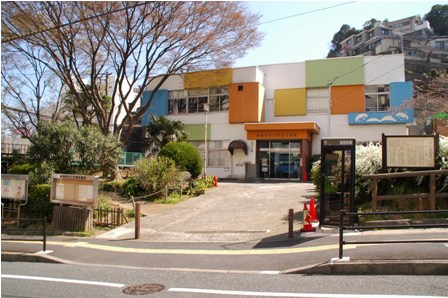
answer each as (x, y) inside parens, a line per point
(143, 289)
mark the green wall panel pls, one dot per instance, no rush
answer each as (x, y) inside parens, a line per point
(347, 71)
(197, 132)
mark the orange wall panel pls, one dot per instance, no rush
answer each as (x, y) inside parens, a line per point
(244, 103)
(347, 99)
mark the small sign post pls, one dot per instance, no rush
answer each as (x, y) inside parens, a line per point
(15, 187)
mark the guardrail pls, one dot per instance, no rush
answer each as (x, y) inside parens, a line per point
(43, 229)
(342, 227)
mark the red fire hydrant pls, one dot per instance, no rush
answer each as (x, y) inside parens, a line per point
(215, 181)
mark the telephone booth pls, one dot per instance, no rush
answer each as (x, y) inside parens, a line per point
(337, 184)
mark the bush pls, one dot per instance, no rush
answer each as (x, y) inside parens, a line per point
(38, 202)
(131, 187)
(200, 185)
(185, 156)
(23, 169)
(156, 173)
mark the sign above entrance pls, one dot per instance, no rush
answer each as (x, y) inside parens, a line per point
(281, 131)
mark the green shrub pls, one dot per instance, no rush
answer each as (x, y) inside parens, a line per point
(154, 174)
(23, 169)
(185, 155)
(131, 187)
(38, 202)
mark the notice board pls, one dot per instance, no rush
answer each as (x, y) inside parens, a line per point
(410, 151)
(15, 187)
(74, 189)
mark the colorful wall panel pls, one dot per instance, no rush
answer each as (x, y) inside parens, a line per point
(343, 71)
(402, 117)
(196, 132)
(400, 93)
(209, 78)
(290, 102)
(158, 106)
(245, 102)
(347, 99)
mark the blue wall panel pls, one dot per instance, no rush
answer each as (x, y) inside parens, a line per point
(400, 92)
(159, 105)
(401, 117)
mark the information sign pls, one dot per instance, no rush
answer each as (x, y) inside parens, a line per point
(74, 189)
(14, 187)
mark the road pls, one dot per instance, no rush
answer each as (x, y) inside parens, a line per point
(62, 280)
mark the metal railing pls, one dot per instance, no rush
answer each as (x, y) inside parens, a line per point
(43, 229)
(343, 227)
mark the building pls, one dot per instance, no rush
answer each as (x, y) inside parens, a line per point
(267, 121)
(410, 36)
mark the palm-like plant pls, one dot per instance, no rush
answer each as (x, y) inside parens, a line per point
(161, 131)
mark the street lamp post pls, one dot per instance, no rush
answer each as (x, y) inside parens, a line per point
(206, 110)
(329, 84)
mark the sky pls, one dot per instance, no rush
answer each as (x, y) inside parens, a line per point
(307, 34)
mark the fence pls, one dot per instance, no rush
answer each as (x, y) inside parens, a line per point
(342, 227)
(431, 196)
(109, 217)
(43, 229)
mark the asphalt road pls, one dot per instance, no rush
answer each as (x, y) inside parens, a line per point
(61, 280)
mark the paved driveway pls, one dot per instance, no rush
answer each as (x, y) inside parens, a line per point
(230, 212)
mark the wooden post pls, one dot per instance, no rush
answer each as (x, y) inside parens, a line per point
(374, 194)
(290, 221)
(137, 220)
(432, 192)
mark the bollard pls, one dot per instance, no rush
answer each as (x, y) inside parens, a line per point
(290, 222)
(137, 220)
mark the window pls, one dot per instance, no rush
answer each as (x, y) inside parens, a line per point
(377, 98)
(177, 102)
(317, 100)
(240, 88)
(440, 45)
(218, 154)
(384, 32)
(193, 100)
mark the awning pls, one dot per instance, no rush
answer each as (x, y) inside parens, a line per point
(237, 144)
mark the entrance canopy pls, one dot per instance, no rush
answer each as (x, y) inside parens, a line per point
(237, 144)
(281, 130)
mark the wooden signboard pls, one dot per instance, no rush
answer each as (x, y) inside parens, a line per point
(410, 151)
(71, 189)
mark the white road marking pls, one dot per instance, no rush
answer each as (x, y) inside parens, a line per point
(72, 281)
(280, 294)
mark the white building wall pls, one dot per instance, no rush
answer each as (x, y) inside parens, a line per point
(283, 76)
(174, 82)
(247, 74)
(383, 69)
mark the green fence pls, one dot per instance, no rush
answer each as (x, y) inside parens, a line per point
(129, 158)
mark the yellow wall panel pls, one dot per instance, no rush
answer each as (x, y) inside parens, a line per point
(347, 99)
(290, 102)
(245, 103)
(208, 78)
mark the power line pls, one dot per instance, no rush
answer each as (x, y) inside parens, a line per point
(69, 23)
(307, 12)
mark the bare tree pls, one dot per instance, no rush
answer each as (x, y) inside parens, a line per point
(136, 42)
(430, 95)
(26, 87)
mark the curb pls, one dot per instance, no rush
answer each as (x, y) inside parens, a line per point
(40, 257)
(375, 267)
